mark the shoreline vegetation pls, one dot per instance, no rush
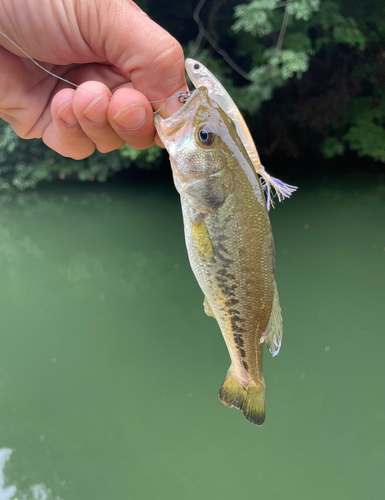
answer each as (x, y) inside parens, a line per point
(308, 75)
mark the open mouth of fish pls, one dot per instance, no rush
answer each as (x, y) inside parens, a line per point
(174, 127)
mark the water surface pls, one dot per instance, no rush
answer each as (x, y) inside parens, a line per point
(109, 369)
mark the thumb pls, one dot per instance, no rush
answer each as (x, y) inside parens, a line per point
(145, 53)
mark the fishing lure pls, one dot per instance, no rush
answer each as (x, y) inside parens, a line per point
(202, 77)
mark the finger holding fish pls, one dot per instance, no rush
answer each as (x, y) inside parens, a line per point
(92, 117)
(90, 106)
(130, 115)
(111, 119)
(118, 45)
(64, 133)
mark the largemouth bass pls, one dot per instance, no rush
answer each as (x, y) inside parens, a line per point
(201, 76)
(229, 241)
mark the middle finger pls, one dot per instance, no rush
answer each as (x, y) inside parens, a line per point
(90, 105)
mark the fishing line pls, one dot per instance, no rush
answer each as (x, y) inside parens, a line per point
(183, 95)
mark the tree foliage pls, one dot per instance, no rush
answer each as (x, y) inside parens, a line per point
(337, 46)
(23, 164)
(308, 74)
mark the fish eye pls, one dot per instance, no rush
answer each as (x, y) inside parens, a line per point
(196, 66)
(206, 135)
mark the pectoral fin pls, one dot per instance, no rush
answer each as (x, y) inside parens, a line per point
(273, 335)
(207, 194)
(207, 308)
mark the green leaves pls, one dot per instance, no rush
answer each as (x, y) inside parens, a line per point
(302, 9)
(363, 128)
(8, 141)
(299, 42)
(328, 32)
(147, 159)
(280, 66)
(285, 64)
(261, 18)
(348, 32)
(25, 164)
(367, 139)
(255, 17)
(337, 27)
(332, 147)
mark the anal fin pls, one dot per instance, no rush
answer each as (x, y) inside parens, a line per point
(273, 334)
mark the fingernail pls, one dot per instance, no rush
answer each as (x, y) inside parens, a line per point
(131, 117)
(65, 113)
(96, 112)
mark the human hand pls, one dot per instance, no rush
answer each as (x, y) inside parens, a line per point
(120, 59)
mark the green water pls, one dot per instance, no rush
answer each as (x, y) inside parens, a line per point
(109, 369)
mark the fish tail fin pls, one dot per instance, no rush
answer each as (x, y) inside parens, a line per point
(250, 399)
(271, 185)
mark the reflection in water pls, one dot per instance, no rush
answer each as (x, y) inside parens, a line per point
(35, 492)
(127, 271)
(13, 250)
(38, 492)
(5, 493)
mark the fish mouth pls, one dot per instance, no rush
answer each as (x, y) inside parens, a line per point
(168, 127)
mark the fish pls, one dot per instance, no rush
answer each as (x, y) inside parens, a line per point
(229, 241)
(201, 76)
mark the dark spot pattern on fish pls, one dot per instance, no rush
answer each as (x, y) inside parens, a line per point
(229, 290)
(222, 281)
(237, 329)
(239, 340)
(225, 260)
(237, 319)
(221, 247)
(245, 365)
(224, 275)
